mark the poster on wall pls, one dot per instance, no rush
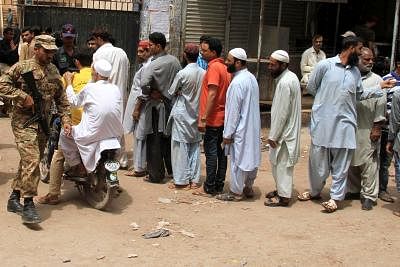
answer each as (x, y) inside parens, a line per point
(155, 18)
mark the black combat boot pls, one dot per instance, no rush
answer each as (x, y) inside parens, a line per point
(13, 204)
(29, 213)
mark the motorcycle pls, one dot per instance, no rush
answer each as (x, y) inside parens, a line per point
(99, 187)
(102, 185)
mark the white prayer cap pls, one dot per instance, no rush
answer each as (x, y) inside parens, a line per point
(348, 34)
(239, 53)
(103, 67)
(280, 55)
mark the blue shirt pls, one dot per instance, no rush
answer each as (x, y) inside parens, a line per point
(336, 88)
(202, 62)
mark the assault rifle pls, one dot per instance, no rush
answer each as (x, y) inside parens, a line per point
(38, 115)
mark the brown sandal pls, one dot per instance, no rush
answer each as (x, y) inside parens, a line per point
(329, 206)
(178, 186)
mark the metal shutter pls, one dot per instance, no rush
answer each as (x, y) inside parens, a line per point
(241, 15)
(205, 17)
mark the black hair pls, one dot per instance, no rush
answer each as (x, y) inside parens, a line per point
(214, 44)
(7, 30)
(27, 29)
(103, 34)
(204, 37)
(350, 41)
(158, 38)
(36, 30)
(85, 57)
(192, 57)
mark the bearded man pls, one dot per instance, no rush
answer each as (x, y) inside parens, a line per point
(337, 86)
(363, 172)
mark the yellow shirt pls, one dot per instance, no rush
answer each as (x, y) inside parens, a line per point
(79, 81)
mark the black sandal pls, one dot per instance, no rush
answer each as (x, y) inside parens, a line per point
(277, 202)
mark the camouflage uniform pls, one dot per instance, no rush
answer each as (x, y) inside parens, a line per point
(31, 140)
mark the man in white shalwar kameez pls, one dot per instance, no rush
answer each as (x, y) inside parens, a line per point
(119, 74)
(336, 85)
(139, 144)
(284, 134)
(241, 127)
(363, 178)
(185, 135)
(101, 125)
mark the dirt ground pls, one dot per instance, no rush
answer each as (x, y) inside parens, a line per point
(222, 234)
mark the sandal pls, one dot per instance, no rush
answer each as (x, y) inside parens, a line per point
(179, 187)
(200, 192)
(195, 186)
(229, 197)
(248, 192)
(305, 196)
(396, 213)
(277, 201)
(135, 173)
(329, 206)
(271, 194)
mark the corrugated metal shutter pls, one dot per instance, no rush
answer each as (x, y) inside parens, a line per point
(205, 17)
(241, 15)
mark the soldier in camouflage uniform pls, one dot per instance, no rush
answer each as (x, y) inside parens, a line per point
(32, 139)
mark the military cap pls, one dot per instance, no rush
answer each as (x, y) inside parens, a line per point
(46, 41)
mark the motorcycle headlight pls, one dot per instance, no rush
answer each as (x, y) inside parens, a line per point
(112, 166)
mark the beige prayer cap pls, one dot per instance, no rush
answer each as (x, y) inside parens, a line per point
(103, 67)
(239, 53)
(281, 55)
(46, 41)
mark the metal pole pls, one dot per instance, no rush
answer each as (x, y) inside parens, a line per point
(279, 16)
(336, 28)
(260, 31)
(395, 31)
(307, 16)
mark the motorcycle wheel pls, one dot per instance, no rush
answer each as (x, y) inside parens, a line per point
(98, 193)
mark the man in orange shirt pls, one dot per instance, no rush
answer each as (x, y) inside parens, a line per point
(211, 116)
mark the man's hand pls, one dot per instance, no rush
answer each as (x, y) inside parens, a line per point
(136, 115)
(272, 143)
(389, 83)
(67, 129)
(68, 77)
(389, 147)
(155, 94)
(375, 133)
(202, 125)
(28, 102)
(12, 45)
(228, 141)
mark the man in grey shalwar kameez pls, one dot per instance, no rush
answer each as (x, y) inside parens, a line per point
(139, 152)
(284, 135)
(336, 85)
(241, 127)
(154, 106)
(393, 144)
(185, 136)
(363, 171)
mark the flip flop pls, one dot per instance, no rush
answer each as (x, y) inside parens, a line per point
(201, 192)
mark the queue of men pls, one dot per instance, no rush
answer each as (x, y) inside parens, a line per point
(170, 108)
